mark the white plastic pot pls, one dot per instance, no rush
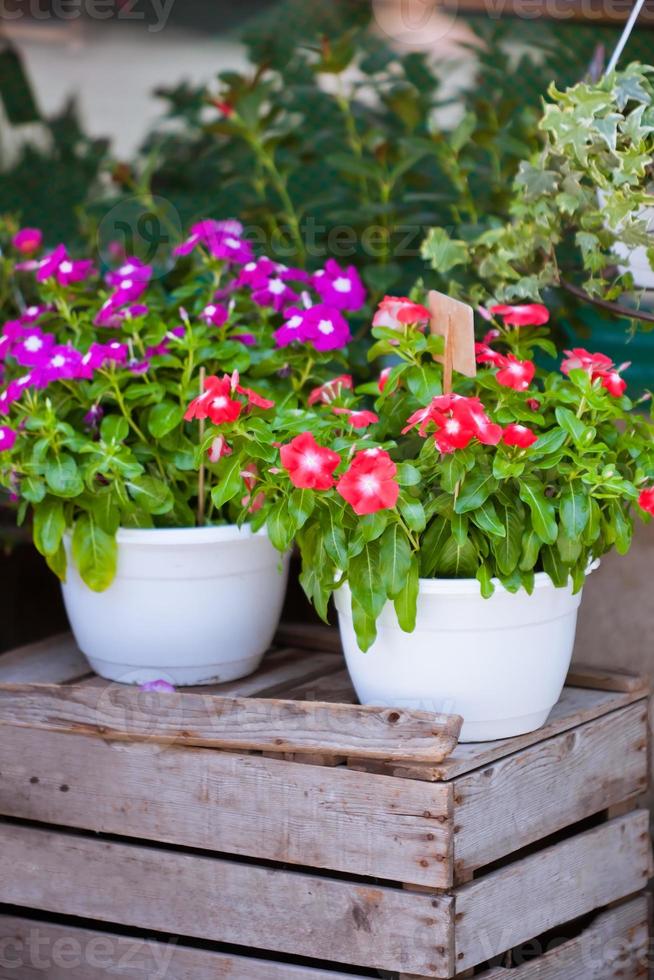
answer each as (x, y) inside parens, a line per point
(187, 605)
(500, 663)
(634, 259)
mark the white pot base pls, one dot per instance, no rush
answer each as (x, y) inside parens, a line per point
(217, 673)
(490, 731)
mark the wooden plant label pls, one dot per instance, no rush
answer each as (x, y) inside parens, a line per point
(454, 321)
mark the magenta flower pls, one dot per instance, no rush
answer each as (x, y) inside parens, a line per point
(30, 348)
(99, 354)
(27, 240)
(60, 362)
(255, 273)
(248, 339)
(14, 390)
(296, 329)
(65, 270)
(33, 313)
(327, 329)
(340, 288)
(221, 238)
(216, 314)
(109, 316)
(159, 685)
(132, 270)
(274, 292)
(139, 367)
(7, 438)
(94, 416)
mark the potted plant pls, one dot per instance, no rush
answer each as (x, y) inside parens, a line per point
(456, 531)
(158, 580)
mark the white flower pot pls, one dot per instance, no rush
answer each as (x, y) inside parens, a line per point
(500, 663)
(635, 260)
(187, 605)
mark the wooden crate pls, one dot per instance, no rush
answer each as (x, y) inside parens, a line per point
(277, 829)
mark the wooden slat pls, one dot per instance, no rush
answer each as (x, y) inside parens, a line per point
(225, 901)
(584, 675)
(335, 687)
(309, 636)
(280, 669)
(575, 707)
(555, 885)
(40, 950)
(373, 826)
(56, 660)
(614, 947)
(120, 712)
(539, 790)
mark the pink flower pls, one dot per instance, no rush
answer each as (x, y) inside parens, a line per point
(330, 390)
(526, 315)
(255, 273)
(216, 314)
(358, 418)
(486, 355)
(31, 346)
(131, 270)
(369, 484)
(458, 420)
(397, 312)
(273, 292)
(160, 686)
(382, 380)
(327, 329)
(219, 448)
(254, 399)
(309, 465)
(109, 316)
(99, 354)
(221, 238)
(614, 384)
(596, 366)
(519, 435)
(295, 329)
(60, 362)
(65, 270)
(646, 500)
(7, 438)
(516, 374)
(340, 288)
(27, 240)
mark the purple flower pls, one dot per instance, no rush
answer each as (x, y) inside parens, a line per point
(139, 367)
(65, 270)
(132, 270)
(245, 338)
(158, 685)
(327, 328)
(295, 329)
(27, 240)
(94, 416)
(14, 390)
(292, 273)
(109, 316)
(340, 288)
(7, 438)
(33, 313)
(222, 239)
(31, 346)
(274, 292)
(98, 355)
(255, 273)
(216, 314)
(60, 362)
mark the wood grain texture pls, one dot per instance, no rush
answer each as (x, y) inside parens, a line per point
(614, 947)
(584, 675)
(226, 901)
(553, 886)
(119, 712)
(320, 817)
(575, 707)
(40, 950)
(56, 660)
(309, 636)
(534, 792)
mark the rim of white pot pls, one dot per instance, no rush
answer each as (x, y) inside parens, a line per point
(166, 536)
(467, 586)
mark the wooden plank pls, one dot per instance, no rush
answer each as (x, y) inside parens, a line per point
(553, 886)
(56, 660)
(576, 706)
(614, 947)
(280, 669)
(373, 826)
(309, 636)
(335, 687)
(120, 712)
(584, 675)
(225, 901)
(534, 792)
(40, 950)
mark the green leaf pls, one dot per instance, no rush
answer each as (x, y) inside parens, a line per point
(443, 252)
(549, 442)
(543, 514)
(555, 567)
(574, 508)
(457, 560)
(477, 488)
(408, 475)
(623, 528)
(300, 506)
(431, 543)
(485, 578)
(62, 476)
(530, 550)
(334, 538)
(406, 601)
(57, 563)
(486, 519)
(507, 550)
(316, 577)
(365, 577)
(230, 481)
(32, 489)
(154, 496)
(396, 558)
(49, 526)
(164, 417)
(569, 422)
(114, 428)
(94, 553)
(413, 513)
(365, 626)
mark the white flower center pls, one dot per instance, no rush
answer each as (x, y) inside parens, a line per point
(58, 361)
(276, 286)
(294, 322)
(219, 402)
(232, 242)
(452, 426)
(326, 327)
(33, 344)
(250, 267)
(66, 267)
(342, 285)
(210, 310)
(369, 484)
(311, 461)
(127, 269)
(126, 284)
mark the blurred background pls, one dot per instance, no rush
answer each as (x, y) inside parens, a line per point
(105, 104)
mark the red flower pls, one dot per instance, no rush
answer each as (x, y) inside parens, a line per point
(398, 311)
(519, 435)
(596, 366)
(646, 500)
(458, 421)
(526, 315)
(309, 465)
(533, 404)
(215, 402)
(369, 484)
(486, 355)
(516, 374)
(358, 418)
(226, 108)
(382, 380)
(255, 399)
(219, 448)
(330, 389)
